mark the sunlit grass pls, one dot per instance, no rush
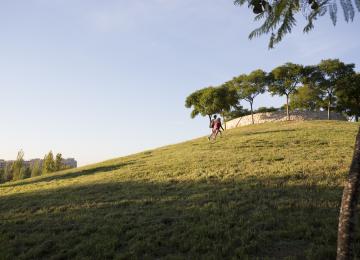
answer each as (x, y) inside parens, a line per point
(270, 190)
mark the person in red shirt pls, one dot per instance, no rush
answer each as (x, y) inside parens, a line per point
(216, 128)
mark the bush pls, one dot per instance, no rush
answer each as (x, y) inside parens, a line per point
(266, 109)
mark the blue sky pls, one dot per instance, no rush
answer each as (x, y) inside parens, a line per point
(101, 79)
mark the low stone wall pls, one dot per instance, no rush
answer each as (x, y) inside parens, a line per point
(281, 116)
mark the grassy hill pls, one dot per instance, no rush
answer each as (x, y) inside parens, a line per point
(263, 191)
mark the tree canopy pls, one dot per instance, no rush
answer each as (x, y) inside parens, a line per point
(248, 87)
(306, 98)
(349, 95)
(330, 83)
(279, 17)
(211, 100)
(325, 77)
(284, 80)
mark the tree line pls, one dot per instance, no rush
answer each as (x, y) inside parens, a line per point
(331, 85)
(18, 169)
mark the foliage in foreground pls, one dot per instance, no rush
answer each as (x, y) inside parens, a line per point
(279, 17)
(270, 190)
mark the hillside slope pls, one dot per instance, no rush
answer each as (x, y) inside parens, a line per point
(270, 190)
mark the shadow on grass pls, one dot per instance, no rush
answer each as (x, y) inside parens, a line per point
(187, 220)
(63, 176)
(268, 132)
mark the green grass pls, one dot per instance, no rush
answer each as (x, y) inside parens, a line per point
(266, 191)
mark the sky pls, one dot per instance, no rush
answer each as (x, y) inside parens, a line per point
(95, 80)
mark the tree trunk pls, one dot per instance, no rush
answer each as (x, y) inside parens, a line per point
(223, 117)
(287, 107)
(252, 114)
(329, 105)
(346, 228)
(356, 118)
(209, 121)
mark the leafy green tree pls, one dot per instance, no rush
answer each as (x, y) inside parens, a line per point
(306, 98)
(58, 162)
(250, 86)
(348, 94)
(332, 72)
(18, 165)
(227, 98)
(279, 17)
(24, 172)
(36, 169)
(211, 100)
(284, 80)
(325, 78)
(48, 163)
(2, 176)
(199, 104)
(8, 171)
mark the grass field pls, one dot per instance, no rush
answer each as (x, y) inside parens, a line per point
(269, 191)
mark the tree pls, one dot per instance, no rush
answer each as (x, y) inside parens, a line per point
(279, 16)
(227, 99)
(284, 80)
(348, 94)
(2, 176)
(250, 86)
(24, 172)
(332, 72)
(347, 218)
(199, 103)
(36, 169)
(58, 162)
(305, 98)
(18, 165)
(8, 172)
(48, 163)
(326, 76)
(211, 100)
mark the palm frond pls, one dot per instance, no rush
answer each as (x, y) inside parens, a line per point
(357, 3)
(280, 19)
(239, 2)
(333, 12)
(348, 9)
(261, 16)
(309, 26)
(286, 26)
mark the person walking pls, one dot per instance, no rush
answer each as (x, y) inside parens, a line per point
(216, 128)
(211, 126)
(212, 121)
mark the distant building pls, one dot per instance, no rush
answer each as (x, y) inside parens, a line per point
(2, 164)
(32, 162)
(70, 163)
